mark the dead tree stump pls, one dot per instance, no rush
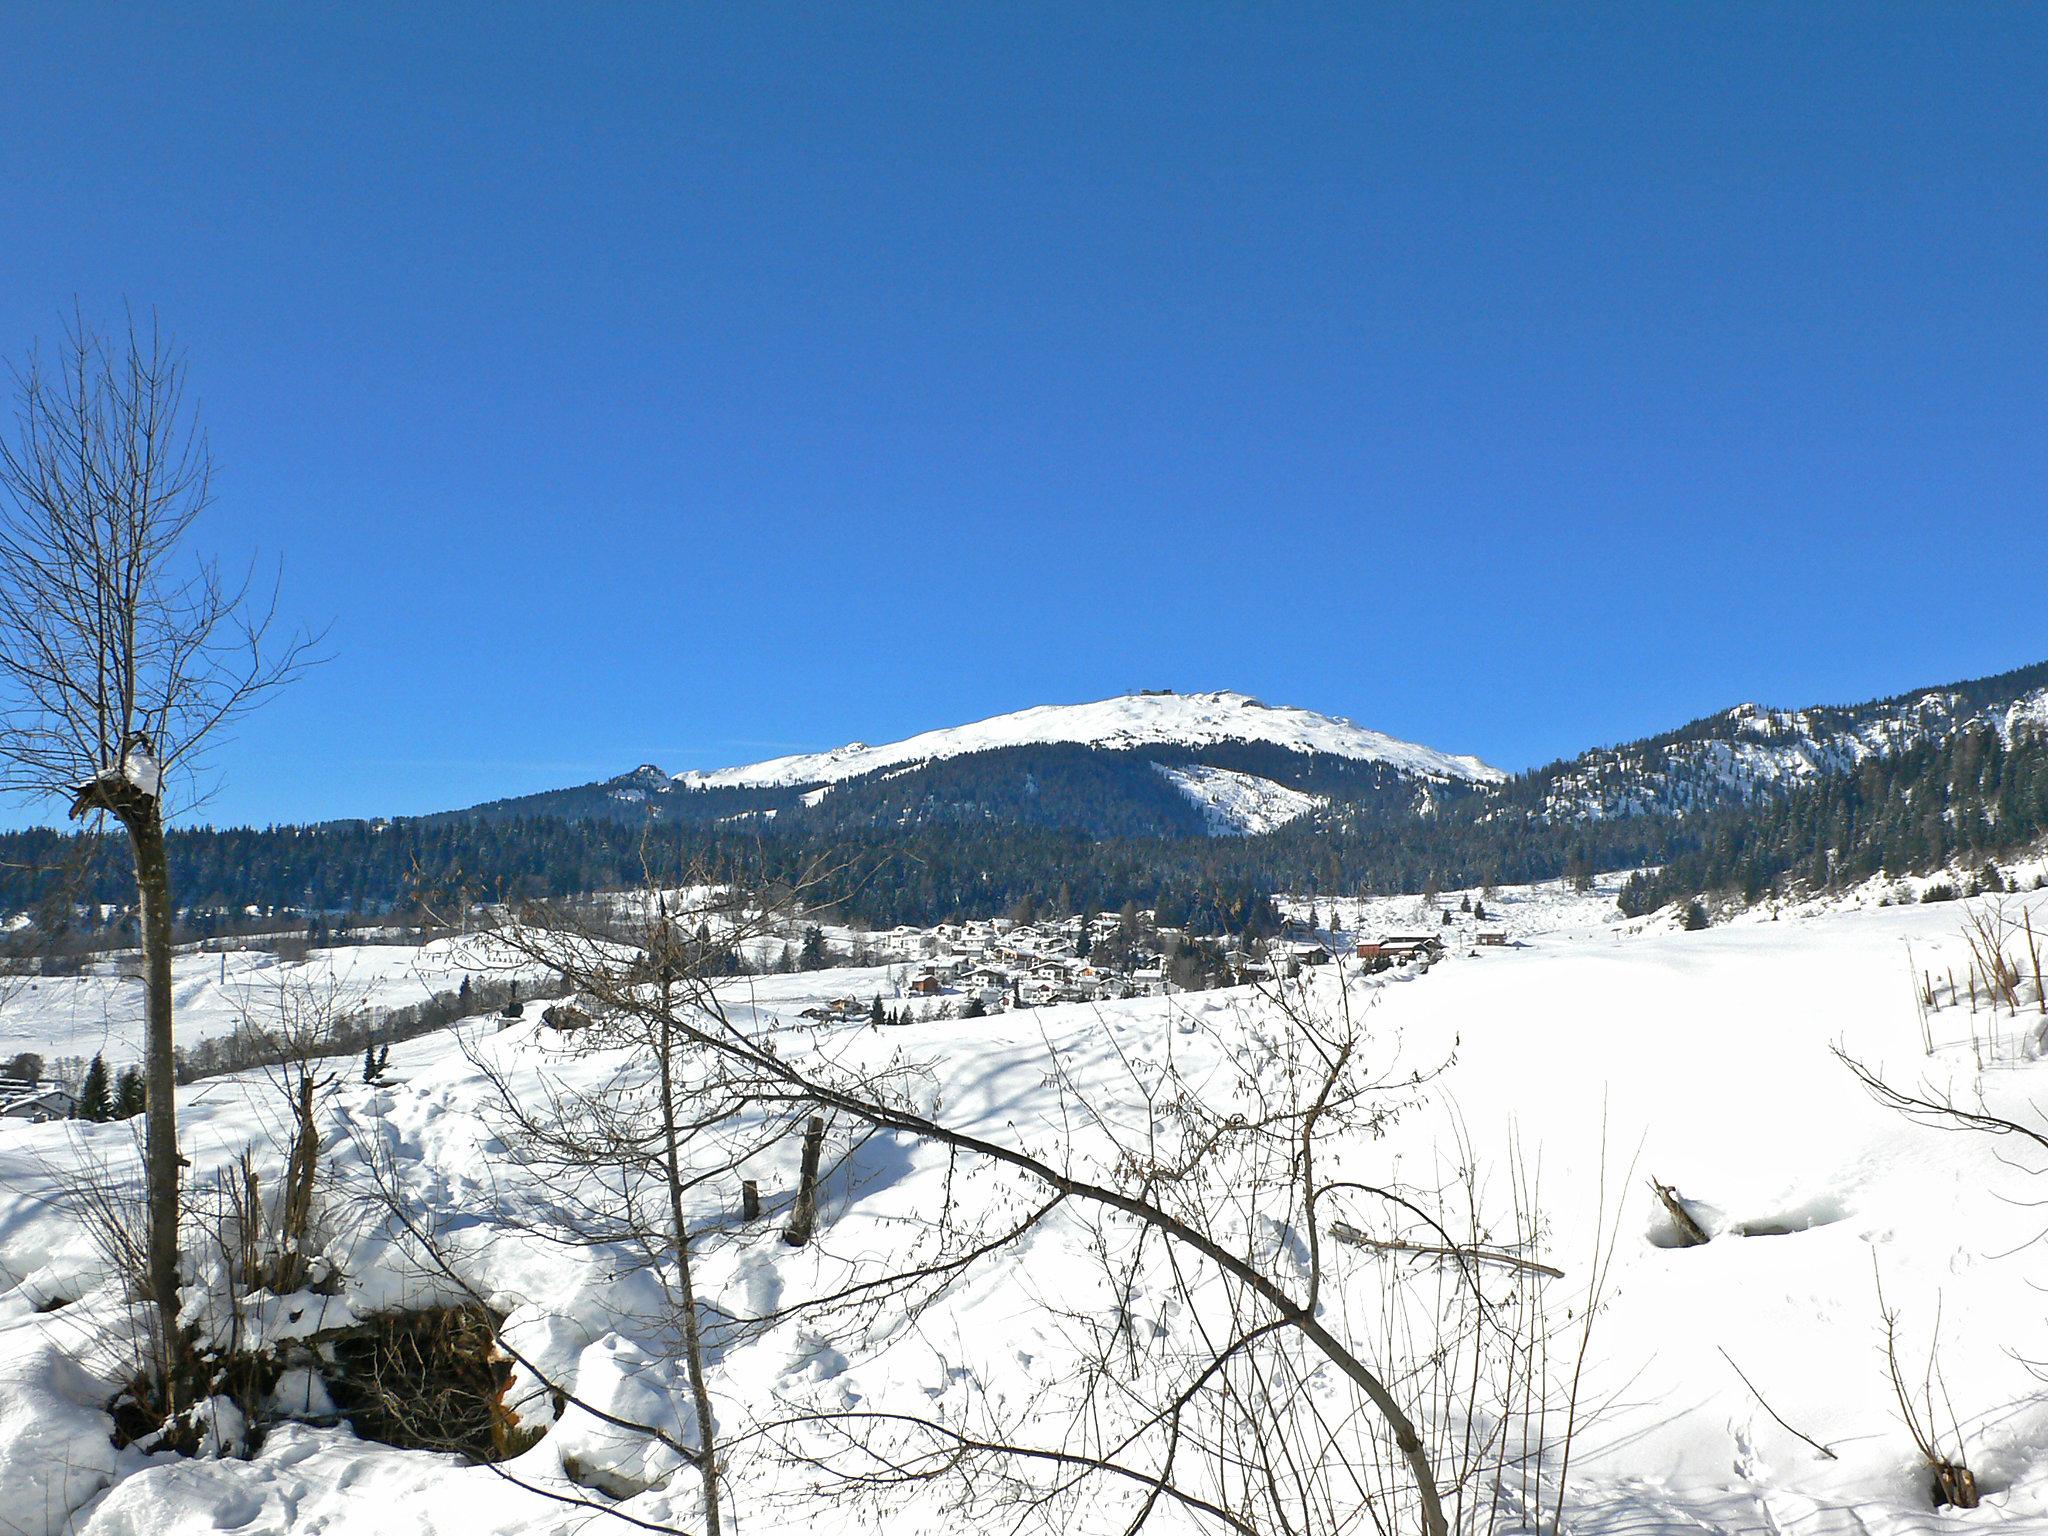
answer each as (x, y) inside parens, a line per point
(1955, 1486)
(805, 1216)
(1690, 1233)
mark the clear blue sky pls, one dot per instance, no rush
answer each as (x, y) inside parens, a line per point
(695, 383)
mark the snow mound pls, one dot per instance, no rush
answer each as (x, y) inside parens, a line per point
(1132, 720)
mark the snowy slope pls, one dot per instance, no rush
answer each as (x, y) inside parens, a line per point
(1751, 750)
(1238, 804)
(214, 992)
(1133, 720)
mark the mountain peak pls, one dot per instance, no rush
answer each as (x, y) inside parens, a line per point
(1126, 721)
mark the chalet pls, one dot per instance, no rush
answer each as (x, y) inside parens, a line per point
(926, 986)
(1430, 941)
(1398, 949)
(36, 1103)
(1493, 938)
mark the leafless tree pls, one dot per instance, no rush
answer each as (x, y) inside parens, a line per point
(294, 1022)
(122, 655)
(1218, 1196)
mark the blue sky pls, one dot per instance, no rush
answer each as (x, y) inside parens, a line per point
(693, 384)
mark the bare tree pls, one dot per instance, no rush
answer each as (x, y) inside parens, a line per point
(1215, 1191)
(122, 656)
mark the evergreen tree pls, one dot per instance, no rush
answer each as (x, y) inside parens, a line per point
(813, 957)
(131, 1094)
(94, 1100)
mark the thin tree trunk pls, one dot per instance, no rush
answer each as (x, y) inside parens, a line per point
(160, 1156)
(693, 1342)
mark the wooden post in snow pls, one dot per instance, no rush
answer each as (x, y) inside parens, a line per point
(805, 1216)
(750, 1200)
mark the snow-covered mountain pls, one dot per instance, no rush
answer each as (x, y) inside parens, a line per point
(1750, 751)
(1130, 720)
(1155, 764)
(1176, 765)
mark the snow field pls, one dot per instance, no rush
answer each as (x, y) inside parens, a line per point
(1598, 1053)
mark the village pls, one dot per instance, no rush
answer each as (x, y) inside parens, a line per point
(815, 972)
(973, 968)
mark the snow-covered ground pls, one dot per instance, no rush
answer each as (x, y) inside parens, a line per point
(1549, 910)
(1604, 1052)
(89, 1015)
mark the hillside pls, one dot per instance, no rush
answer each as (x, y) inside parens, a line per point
(1751, 751)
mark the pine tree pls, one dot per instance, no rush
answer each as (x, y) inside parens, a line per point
(94, 1101)
(131, 1094)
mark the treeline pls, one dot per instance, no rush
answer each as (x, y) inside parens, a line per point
(1930, 806)
(1924, 807)
(409, 872)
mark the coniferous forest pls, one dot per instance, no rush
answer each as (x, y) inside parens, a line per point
(960, 847)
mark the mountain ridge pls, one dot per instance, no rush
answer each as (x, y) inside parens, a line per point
(1225, 764)
(1155, 717)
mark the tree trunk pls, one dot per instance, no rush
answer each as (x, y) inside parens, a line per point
(693, 1340)
(160, 1156)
